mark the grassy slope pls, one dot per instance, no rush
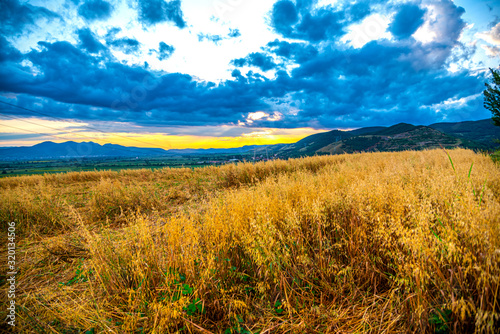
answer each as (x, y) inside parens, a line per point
(396, 138)
(352, 243)
(483, 132)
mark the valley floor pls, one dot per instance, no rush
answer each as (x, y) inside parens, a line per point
(371, 242)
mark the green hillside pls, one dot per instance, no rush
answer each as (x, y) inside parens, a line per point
(477, 135)
(482, 132)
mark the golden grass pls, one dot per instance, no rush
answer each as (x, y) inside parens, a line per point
(379, 242)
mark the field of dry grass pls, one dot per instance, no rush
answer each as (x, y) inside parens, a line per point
(372, 242)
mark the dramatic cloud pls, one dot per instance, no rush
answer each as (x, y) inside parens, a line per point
(305, 73)
(16, 16)
(257, 59)
(447, 23)
(303, 20)
(494, 34)
(358, 11)
(70, 76)
(234, 33)
(492, 37)
(126, 45)
(492, 51)
(376, 82)
(95, 10)
(165, 51)
(8, 52)
(384, 81)
(111, 34)
(298, 52)
(407, 21)
(156, 11)
(300, 23)
(89, 42)
(284, 16)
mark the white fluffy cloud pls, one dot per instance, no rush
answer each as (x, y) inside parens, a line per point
(493, 38)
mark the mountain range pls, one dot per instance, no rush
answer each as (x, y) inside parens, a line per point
(479, 135)
(470, 134)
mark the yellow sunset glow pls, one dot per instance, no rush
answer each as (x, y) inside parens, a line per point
(181, 142)
(60, 132)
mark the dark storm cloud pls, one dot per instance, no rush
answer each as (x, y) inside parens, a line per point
(494, 22)
(447, 28)
(383, 82)
(7, 51)
(126, 45)
(95, 10)
(299, 52)
(14, 16)
(156, 11)
(111, 34)
(303, 20)
(115, 91)
(293, 22)
(89, 42)
(257, 59)
(164, 51)
(284, 16)
(331, 84)
(234, 33)
(325, 24)
(358, 11)
(376, 83)
(449, 24)
(408, 19)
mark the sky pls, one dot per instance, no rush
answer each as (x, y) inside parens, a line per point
(228, 73)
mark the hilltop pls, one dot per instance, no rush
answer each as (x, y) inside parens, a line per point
(71, 149)
(482, 132)
(399, 137)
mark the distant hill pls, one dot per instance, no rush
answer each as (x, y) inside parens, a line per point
(397, 129)
(235, 150)
(396, 138)
(403, 136)
(68, 150)
(71, 149)
(482, 132)
(319, 140)
(363, 131)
